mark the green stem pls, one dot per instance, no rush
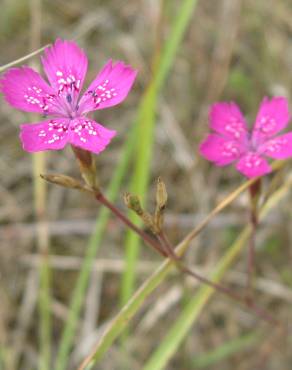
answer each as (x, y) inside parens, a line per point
(260, 312)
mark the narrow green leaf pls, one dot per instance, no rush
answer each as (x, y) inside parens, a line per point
(145, 131)
(226, 350)
(146, 124)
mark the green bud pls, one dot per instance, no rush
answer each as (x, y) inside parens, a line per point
(133, 202)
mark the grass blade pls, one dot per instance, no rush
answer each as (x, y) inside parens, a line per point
(146, 124)
(22, 59)
(145, 131)
(226, 350)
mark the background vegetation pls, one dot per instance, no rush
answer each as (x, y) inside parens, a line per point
(189, 54)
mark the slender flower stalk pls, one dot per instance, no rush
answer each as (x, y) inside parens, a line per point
(245, 301)
(147, 238)
(163, 247)
(254, 194)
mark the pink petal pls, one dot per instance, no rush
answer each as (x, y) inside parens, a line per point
(220, 150)
(25, 89)
(89, 135)
(278, 148)
(273, 116)
(52, 134)
(253, 165)
(227, 119)
(65, 65)
(110, 87)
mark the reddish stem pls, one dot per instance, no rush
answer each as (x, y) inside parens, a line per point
(147, 238)
(254, 192)
(222, 289)
(164, 247)
(166, 250)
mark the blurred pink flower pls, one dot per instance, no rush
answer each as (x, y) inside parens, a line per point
(232, 142)
(65, 65)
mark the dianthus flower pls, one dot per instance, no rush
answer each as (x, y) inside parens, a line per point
(232, 142)
(65, 65)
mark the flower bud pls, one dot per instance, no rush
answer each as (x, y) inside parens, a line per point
(65, 181)
(161, 200)
(161, 194)
(86, 165)
(133, 202)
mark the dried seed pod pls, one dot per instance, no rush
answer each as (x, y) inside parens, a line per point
(133, 202)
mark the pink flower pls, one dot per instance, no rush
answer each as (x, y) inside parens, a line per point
(65, 65)
(231, 140)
